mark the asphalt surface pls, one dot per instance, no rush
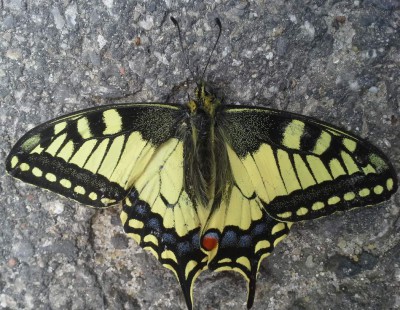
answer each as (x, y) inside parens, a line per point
(337, 61)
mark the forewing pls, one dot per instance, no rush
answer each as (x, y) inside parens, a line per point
(95, 155)
(161, 217)
(302, 168)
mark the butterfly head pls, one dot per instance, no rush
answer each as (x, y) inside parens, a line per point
(204, 100)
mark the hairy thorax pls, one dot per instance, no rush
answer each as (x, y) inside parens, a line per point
(206, 162)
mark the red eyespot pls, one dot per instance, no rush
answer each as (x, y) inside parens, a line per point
(209, 241)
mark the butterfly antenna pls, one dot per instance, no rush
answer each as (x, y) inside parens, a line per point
(184, 52)
(218, 22)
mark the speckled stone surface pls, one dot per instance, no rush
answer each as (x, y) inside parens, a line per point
(335, 60)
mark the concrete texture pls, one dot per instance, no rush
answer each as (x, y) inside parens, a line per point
(335, 60)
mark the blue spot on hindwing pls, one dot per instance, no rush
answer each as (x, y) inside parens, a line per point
(154, 225)
(141, 208)
(229, 239)
(168, 238)
(259, 229)
(196, 241)
(183, 248)
(245, 241)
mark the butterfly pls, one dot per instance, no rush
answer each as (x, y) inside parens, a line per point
(204, 185)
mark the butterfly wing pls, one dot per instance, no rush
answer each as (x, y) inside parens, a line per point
(94, 156)
(303, 168)
(159, 215)
(246, 233)
(286, 168)
(131, 153)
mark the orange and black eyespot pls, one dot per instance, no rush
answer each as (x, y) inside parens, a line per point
(209, 241)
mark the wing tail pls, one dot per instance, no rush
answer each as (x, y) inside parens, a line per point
(179, 253)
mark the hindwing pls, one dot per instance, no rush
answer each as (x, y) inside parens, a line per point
(161, 217)
(246, 233)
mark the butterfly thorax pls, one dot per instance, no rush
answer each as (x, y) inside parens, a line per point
(207, 161)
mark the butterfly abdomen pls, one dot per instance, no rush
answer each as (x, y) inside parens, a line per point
(199, 162)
